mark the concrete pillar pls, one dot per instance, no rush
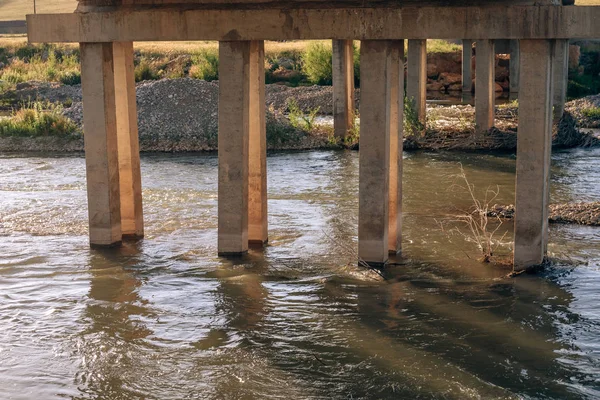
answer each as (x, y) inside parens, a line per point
(561, 76)
(467, 70)
(257, 149)
(101, 148)
(416, 79)
(396, 89)
(234, 129)
(374, 155)
(534, 144)
(514, 66)
(132, 220)
(343, 87)
(484, 85)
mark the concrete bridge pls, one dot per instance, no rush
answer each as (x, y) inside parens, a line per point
(106, 30)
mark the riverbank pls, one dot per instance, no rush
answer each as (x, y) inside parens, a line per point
(180, 115)
(566, 213)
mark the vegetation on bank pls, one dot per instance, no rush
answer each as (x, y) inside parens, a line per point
(38, 119)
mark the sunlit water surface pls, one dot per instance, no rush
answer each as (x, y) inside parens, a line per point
(165, 318)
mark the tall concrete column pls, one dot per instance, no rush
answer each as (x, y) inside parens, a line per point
(343, 87)
(374, 155)
(561, 76)
(534, 147)
(485, 58)
(100, 140)
(467, 70)
(132, 220)
(514, 66)
(234, 129)
(257, 148)
(396, 89)
(416, 78)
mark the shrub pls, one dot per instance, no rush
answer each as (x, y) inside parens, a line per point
(593, 112)
(38, 119)
(300, 120)
(145, 72)
(412, 125)
(205, 65)
(71, 77)
(316, 63)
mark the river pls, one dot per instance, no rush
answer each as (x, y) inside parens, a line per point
(165, 318)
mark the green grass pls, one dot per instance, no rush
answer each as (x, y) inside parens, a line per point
(592, 112)
(38, 119)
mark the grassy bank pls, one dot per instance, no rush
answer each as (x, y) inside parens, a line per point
(291, 63)
(38, 119)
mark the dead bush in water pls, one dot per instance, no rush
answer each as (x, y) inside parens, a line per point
(477, 219)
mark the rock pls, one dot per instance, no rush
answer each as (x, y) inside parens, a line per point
(574, 55)
(47, 91)
(432, 71)
(456, 87)
(449, 78)
(435, 87)
(505, 85)
(498, 88)
(501, 74)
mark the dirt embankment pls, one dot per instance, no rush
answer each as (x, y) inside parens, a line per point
(568, 213)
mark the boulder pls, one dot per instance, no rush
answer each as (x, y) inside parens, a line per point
(449, 78)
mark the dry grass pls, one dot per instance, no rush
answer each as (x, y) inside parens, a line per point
(17, 9)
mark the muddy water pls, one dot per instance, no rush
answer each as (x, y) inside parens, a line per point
(165, 318)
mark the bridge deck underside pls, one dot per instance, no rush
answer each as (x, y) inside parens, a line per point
(506, 22)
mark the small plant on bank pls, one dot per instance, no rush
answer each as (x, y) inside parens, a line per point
(299, 119)
(412, 124)
(592, 112)
(38, 119)
(145, 72)
(205, 65)
(477, 220)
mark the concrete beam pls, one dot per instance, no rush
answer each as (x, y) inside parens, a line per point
(485, 62)
(396, 94)
(374, 155)
(467, 68)
(561, 76)
(494, 22)
(257, 148)
(343, 87)
(101, 145)
(416, 76)
(534, 147)
(234, 130)
(132, 220)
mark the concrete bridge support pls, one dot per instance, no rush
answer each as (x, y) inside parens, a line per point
(561, 76)
(111, 142)
(396, 93)
(467, 68)
(241, 121)
(513, 72)
(416, 78)
(343, 87)
(380, 187)
(485, 58)
(534, 147)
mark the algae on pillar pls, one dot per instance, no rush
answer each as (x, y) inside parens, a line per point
(534, 148)
(343, 87)
(485, 61)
